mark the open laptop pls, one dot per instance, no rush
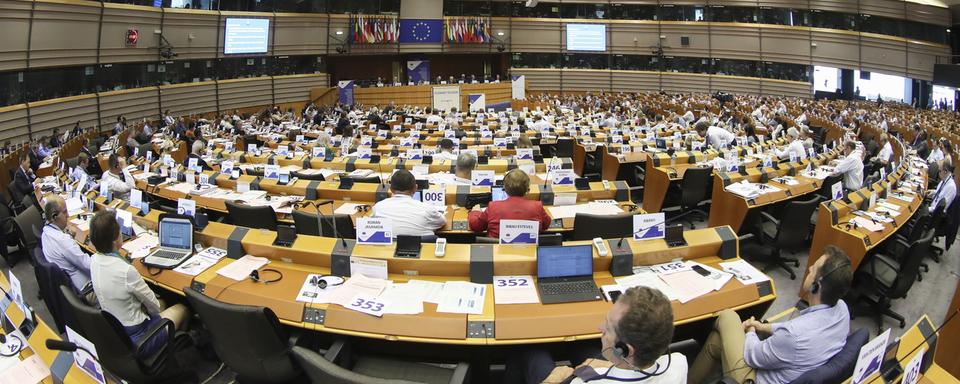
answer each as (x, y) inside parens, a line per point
(408, 247)
(565, 274)
(176, 243)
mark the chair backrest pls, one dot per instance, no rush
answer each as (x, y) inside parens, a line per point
(15, 196)
(50, 278)
(144, 148)
(262, 217)
(564, 148)
(369, 179)
(795, 223)
(588, 226)
(71, 163)
(910, 266)
(248, 339)
(689, 348)
(323, 371)
(114, 348)
(28, 222)
(695, 186)
(826, 186)
(840, 366)
(304, 176)
(306, 224)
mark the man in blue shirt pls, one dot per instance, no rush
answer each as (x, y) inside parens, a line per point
(60, 249)
(781, 352)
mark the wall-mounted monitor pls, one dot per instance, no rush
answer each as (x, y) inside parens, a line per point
(587, 37)
(826, 79)
(246, 36)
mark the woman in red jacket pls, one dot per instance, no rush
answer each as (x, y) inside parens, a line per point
(516, 183)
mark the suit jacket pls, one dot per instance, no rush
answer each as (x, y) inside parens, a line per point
(22, 185)
(513, 208)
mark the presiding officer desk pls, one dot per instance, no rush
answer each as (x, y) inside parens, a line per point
(497, 324)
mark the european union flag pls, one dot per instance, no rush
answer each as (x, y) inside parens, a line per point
(421, 31)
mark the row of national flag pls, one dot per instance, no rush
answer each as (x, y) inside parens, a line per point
(385, 29)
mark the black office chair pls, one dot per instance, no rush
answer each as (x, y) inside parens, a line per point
(887, 278)
(142, 150)
(689, 348)
(695, 188)
(251, 217)
(825, 191)
(71, 163)
(28, 223)
(9, 237)
(248, 339)
(938, 224)
(588, 226)
(790, 232)
(338, 366)
(840, 367)
(369, 179)
(119, 355)
(304, 176)
(49, 279)
(16, 198)
(306, 224)
(254, 172)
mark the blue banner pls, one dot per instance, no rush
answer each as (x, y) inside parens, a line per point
(346, 91)
(421, 31)
(418, 71)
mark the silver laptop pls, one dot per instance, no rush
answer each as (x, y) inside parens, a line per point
(176, 243)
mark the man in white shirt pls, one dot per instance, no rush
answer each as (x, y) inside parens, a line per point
(117, 179)
(433, 118)
(946, 189)
(886, 152)
(610, 121)
(540, 124)
(634, 337)
(936, 154)
(466, 163)
(715, 136)
(446, 150)
(850, 166)
(794, 149)
(409, 217)
(60, 249)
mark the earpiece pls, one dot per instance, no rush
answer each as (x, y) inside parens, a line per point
(815, 287)
(621, 350)
(255, 276)
(319, 282)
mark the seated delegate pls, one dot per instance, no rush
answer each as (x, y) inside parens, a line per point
(516, 183)
(409, 217)
(781, 352)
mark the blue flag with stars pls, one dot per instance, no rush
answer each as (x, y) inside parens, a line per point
(421, 31)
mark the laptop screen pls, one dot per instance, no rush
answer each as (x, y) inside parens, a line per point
(284, 178)
(575, 260)
(176, 233)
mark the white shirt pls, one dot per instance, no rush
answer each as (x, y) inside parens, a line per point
(119, 186)
(540, 125)
(409, 217)
(885, 153)
(716, 135)
(851, 167)
(60, 249)
(673, 373)
(121, 291)
(444, 155)
(935, 155)
(434, 119)
(946, 191)
(795, 148)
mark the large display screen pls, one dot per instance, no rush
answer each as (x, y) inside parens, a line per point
(888, 87)
(826, 79)
(943, 97)
(587, 37)
(246, 36)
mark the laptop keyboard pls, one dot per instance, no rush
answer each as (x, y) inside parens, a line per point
(568, 287)
(168, 254)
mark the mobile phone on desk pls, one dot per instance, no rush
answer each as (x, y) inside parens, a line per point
(702, 271)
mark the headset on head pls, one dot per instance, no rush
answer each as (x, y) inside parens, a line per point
(815, 287)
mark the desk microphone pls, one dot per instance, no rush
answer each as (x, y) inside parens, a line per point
(333, 221)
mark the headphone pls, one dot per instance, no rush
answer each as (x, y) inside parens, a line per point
(815, 287)
(319, 282)
(255, 276)
(621, 350)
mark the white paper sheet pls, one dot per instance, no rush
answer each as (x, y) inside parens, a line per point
(514, 290)
(240, 269)
(744, 272)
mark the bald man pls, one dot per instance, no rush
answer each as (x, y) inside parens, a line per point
(60, 249)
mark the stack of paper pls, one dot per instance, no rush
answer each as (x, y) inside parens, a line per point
(744, 272)
(514, 290)
(719, 278)
(646, 278)
(404, 299)
(201, 261)
(867, 224)
(744, 189)
(141, 246)
(357, 285)
(688, 285)
(347, 209)
(462, 297)
(240, 269)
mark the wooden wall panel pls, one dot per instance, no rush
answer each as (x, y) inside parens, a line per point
(241, 93)
(536, 36)
(928, 14)
(192, 33)
(635, 81)
(786, 88)
(64, 33)
(785, 45)
(882, 56)
(921, 58)
(189, 98)
(740, 41)
(633, 38)
(673, 32)
(835, 50)
(117, 18)
(585, 80)
(885, 8)
(134, 104)
(539, 79)
(296, 88)
(685, 82)
(13, 124)
(14, 26)
(300, 34)
(735, 85)
(62, 114)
